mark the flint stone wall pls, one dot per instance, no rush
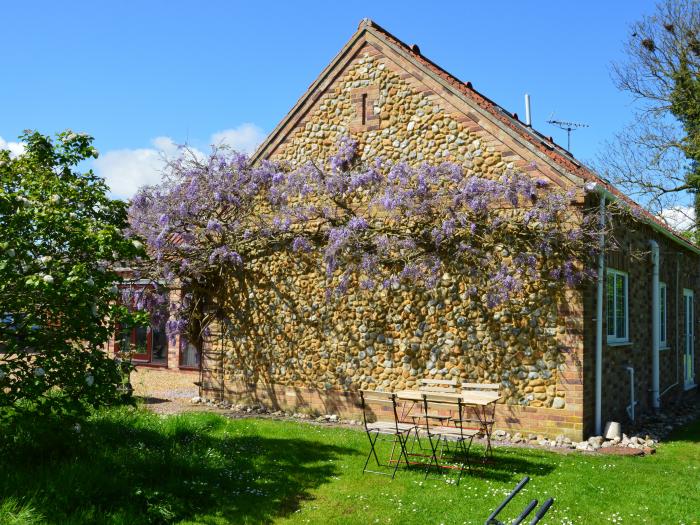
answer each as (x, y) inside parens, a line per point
(388, 339)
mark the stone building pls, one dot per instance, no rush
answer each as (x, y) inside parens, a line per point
(607, 351)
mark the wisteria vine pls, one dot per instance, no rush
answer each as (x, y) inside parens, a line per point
(212, 221)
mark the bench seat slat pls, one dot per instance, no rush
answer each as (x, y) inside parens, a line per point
(481, 386)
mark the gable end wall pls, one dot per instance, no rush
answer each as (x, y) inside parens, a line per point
(389, 342)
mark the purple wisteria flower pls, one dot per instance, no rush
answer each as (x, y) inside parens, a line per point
(347, 152)
(213, 225)
(213, 222)
(301, 244)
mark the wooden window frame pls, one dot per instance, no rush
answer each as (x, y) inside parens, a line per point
(689, 376)
(138, 357)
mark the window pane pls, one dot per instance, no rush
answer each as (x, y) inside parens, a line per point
(160, 345)
(620, 313)
(611, 304)
(125, 339)
(141, 339)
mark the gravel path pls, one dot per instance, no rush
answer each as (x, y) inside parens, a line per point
(167, 391)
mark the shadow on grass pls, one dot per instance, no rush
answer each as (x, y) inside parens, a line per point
(689, 433)
(148, 400)
(134, 468)
(505, 465)
(508, 466)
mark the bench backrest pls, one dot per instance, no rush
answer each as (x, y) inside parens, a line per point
(437, 385)
(374, 397)
(449, 404)
(487, 387)
(444, 401)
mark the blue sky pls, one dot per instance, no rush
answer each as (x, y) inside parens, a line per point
(139, 76)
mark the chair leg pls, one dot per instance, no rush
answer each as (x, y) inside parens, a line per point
(372, 452)
(466, 454)
(393, 449)
(402, 451)
(461, 464)
(420, 444)
(488, 420)
(415, 439)
(445, 445)
(403, 441)
(433, 456)
(489, 448)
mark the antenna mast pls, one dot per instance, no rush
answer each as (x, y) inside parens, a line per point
(568, 127)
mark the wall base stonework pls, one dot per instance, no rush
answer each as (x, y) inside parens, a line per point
(548, 422)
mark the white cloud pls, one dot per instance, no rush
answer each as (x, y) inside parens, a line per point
(680, 218)
(165, 145)
(245, 138)
(16, 148)
(126, 170)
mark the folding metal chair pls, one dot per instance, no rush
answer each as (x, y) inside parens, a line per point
(396, 429)
(486, 415)
(438, 386)
(439, 435)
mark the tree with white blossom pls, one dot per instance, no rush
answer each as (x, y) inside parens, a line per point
(62, 237)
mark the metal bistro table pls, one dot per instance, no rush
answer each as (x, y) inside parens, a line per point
(482, 403)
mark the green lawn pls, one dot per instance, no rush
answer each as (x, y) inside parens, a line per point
(129, 467)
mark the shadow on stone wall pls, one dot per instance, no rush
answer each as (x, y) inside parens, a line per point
(290, 334)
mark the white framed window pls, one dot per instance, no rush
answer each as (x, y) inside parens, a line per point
(618, 318)
(663, 309)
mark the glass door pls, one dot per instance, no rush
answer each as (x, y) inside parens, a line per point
(689, 349)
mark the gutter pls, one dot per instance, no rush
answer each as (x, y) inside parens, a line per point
(655, 327)
(633, 403)
(599, 322)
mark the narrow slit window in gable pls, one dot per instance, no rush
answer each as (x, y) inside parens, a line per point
(364, 109)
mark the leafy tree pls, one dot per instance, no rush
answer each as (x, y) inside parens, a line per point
(657, 157)
(62, 237)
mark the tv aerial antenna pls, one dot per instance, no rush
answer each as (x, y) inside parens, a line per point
(568, 127)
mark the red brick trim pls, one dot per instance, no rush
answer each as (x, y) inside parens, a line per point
(548, 422)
